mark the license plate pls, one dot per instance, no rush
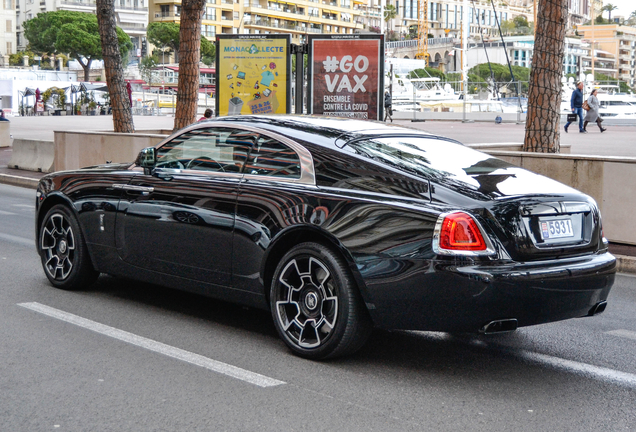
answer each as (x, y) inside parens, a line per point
(557, 228)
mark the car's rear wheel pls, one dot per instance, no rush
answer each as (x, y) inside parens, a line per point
(316, 306)
(63, 250)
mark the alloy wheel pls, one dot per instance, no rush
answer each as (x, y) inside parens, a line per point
(58, 245)
(307, 307)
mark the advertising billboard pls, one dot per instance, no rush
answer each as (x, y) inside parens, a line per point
(253, 74)
(346, 76)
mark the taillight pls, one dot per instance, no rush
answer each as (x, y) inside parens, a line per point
(457, 233)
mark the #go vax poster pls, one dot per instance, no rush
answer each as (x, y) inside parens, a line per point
(346, 76)
(253, 74)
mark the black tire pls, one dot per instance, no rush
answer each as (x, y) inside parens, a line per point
(63, 251)
(315, 303)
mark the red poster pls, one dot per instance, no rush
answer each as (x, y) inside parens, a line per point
(347, 77)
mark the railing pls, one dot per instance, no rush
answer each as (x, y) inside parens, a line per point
(78, 3)
(413, 43)
(167, 15)
(401, 44)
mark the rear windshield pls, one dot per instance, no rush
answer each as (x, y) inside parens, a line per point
(426, 156)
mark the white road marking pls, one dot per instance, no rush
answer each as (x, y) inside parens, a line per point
(27, 206)
(158, 347)
(6, 213)
(597, 372)
(627, 334)
(15, 239)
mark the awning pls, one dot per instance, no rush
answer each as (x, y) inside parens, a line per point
(132, 18)
(93, 87)
(28, 92)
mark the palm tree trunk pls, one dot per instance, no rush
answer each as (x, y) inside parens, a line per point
(544, 97)
(189, 53)
(122, 113)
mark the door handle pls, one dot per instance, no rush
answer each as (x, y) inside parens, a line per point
(134, 188)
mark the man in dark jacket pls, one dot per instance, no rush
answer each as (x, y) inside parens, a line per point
(576, 103)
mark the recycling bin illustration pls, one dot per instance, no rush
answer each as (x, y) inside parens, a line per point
(236, 104)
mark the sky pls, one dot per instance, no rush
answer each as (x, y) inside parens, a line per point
(625, 7)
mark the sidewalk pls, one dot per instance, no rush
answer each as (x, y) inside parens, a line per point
(617, 143)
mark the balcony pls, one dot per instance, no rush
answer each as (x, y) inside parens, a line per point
(291, 9)
(167, 15)
(78, 3)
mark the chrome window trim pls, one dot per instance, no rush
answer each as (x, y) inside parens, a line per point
(307, 169)
(490, 249)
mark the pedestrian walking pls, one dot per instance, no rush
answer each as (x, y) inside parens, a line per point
(592, 114)
(388, 111)
(576, 103)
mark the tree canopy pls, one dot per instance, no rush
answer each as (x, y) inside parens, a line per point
(166, 35)
(426, 72)
(74, 33)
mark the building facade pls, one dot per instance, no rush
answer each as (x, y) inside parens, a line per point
(297, 18)
(131, 15)
(8, 44)
(618, 40)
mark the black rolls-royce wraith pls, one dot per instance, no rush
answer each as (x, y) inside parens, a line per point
(335, 226)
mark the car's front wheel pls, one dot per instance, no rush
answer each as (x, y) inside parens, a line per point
(63, 250)
(316, 306)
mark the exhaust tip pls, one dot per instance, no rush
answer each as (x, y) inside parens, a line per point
(597, 308)
(499, 326)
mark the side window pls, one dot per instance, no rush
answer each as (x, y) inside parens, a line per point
(270, 157)
(209, 149)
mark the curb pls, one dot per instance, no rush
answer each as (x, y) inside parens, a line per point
(624, 264)
(14, 180)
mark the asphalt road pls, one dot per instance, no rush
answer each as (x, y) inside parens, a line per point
(126, 356)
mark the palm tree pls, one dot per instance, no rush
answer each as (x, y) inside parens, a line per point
(119, 100)
(544, 93)
(609, 8)
(389, 13)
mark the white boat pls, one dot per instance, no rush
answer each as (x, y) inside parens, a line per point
(617, 106)
(472, 105)
(421, 90)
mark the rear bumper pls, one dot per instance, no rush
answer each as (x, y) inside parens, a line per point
(441, 295)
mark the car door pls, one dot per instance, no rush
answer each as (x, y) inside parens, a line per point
(180, 218)
(278, 174)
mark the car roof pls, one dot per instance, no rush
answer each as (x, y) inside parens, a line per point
(332, 128)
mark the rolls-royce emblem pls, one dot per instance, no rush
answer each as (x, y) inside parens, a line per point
(311, 301)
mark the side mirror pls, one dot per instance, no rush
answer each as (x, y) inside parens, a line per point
(147, 159)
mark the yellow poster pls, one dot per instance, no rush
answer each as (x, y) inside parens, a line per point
(252, 74)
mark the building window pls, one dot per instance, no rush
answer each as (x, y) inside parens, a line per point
(10, 48)
(9, 26)
(8, 4)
